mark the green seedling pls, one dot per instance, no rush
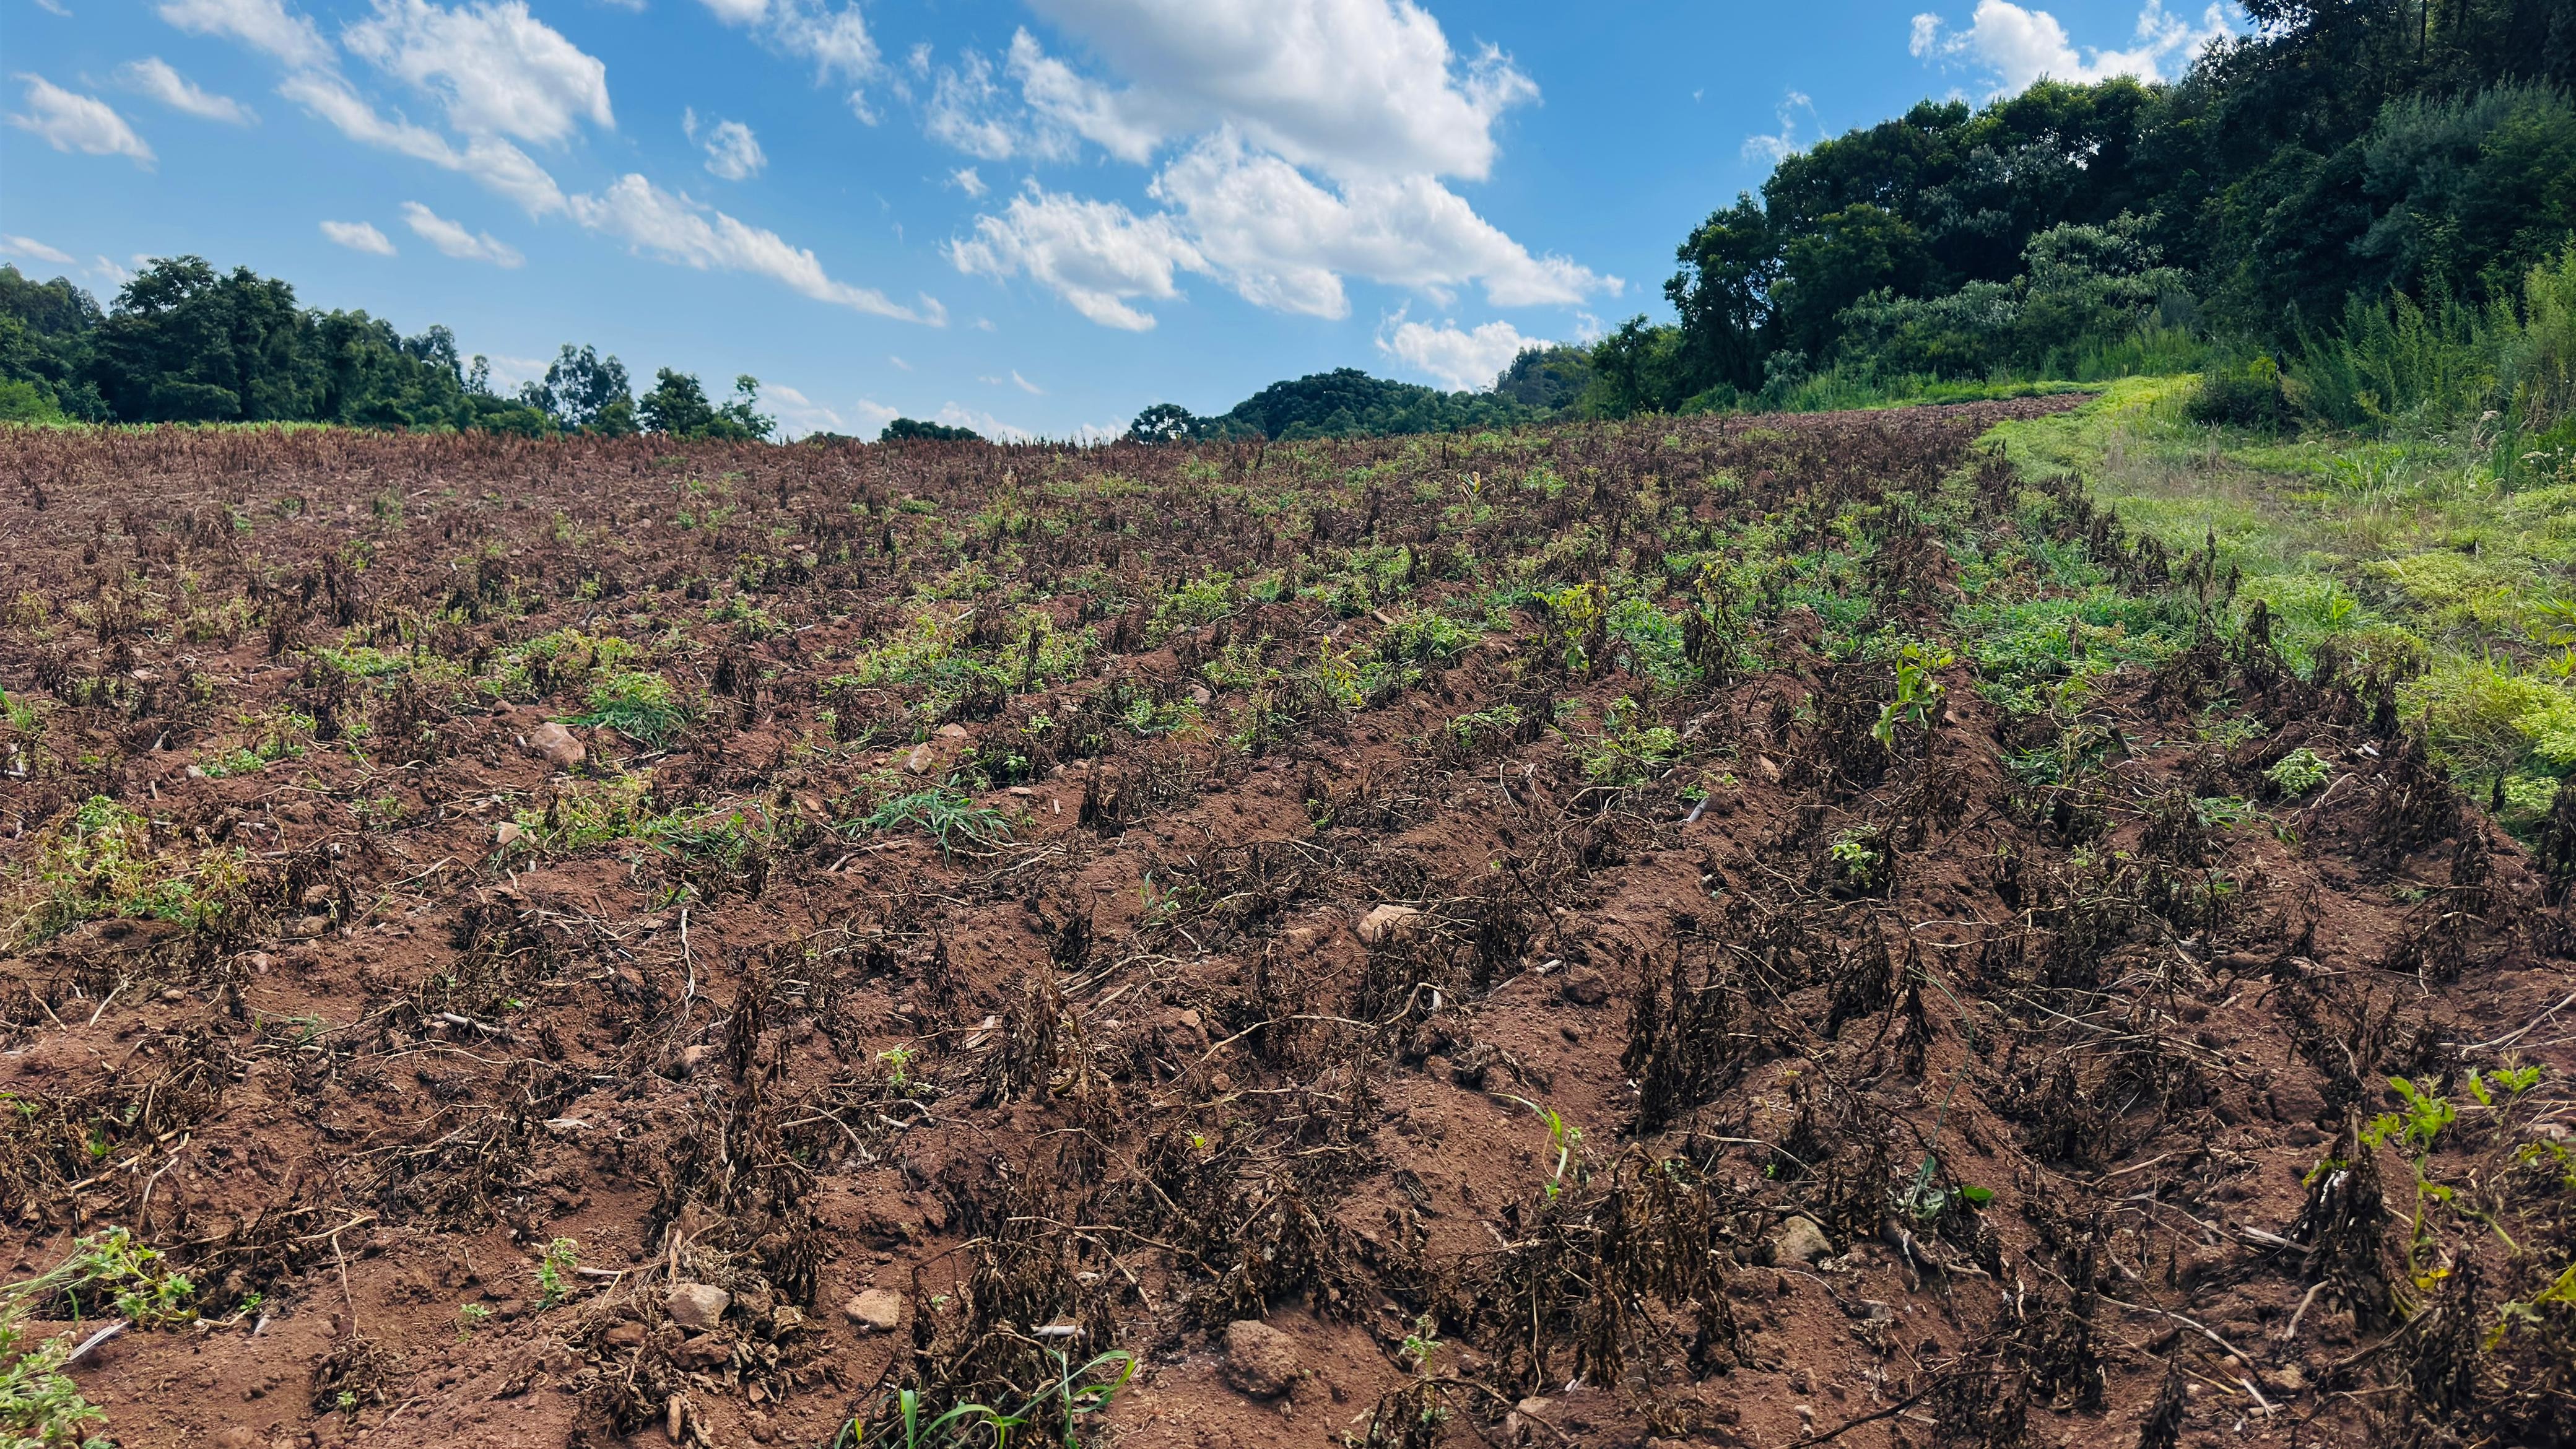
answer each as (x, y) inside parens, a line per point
(555, 1271)
(1563, 1138)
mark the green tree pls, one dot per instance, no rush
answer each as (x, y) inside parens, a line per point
(186, 343)
(584, 392)
(678, 405)
(1161, 423)
(1547, 379)
(909, 430)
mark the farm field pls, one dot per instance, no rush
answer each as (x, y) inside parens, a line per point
(1725, 931)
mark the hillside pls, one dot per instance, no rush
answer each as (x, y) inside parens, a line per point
(1723, 930)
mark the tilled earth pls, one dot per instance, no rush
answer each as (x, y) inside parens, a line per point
(1480, 940)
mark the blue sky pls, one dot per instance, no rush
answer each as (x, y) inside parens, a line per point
(1027, 216)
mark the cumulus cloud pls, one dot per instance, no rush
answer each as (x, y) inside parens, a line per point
(1458, 360)
(265, 25)
(496, 164)
(34, 250)
(965, 179)
(1097, 255)
(72, 122)
(2014, 46)
(1064, 102)
(835, 41)
(681, 231)
(497, 69)
(154, 77)
(1350, 87)
(1283, 241)
(453, 239)
(359, 236)
(798, 414)
(1306, 142)
(733, 152)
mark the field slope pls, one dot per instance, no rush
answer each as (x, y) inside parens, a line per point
(1719, 931)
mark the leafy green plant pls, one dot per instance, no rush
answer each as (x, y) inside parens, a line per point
(2299, 771)
(1859, 860)
(40, 1406)
(555, 1270)
(1626, 752)
(1918, 691)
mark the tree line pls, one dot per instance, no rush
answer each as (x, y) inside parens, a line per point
(185, 342)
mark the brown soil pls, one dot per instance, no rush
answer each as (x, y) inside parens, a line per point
(1146, 1065)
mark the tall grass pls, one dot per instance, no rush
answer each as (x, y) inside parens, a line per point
(2403, 365)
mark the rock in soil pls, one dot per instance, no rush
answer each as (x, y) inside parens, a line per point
(558, 745)
(1259, 1359)
(1799, 1241)
(1385, 921)
(697, 1307)
(877, 1309)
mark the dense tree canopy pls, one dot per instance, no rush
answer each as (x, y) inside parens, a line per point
(184, 342)
(2345, 148)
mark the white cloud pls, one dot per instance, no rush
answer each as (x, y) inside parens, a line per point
(54, 7)
(1026, 386)
(679, 230)
(2016, 47)
(733, 152)
(966, 111)
(1262, 98)
(899, 363)
(1283, 241)
(108, 271)
(1351, 87)
(499, 166)
(497, 69)
(71, 122)
(1061, 99)
(965, 179)
(265, 25)
(454, 240)
(836, 41)
(34, 250)
(359, 236)
(1776, 149)
(875, 414)
(153, 76)
(1459, 360)
(798, 414)
(1095, 254)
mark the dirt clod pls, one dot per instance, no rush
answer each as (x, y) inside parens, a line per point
(1259, 1359)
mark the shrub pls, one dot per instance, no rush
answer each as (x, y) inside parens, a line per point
(2245, 396)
